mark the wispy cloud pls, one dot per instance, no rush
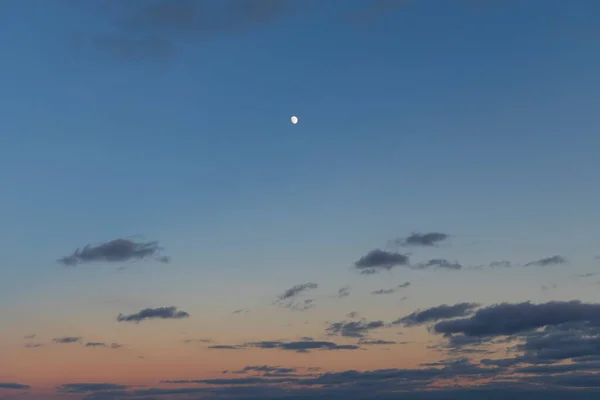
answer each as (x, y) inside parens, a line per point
(437, 313)
(544, 262)
(301, 346)
(431, 239)
(439, 263)
(67, 340)
(344, 292)
(355, 329)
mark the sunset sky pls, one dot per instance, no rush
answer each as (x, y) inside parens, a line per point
(430, 228)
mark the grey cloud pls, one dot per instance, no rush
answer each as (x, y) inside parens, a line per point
(117, 250)
(439, 263)
(379, 259)
(241, 311)
(356, 329)
(369, 342)
(404, 285)
(29, 337)
(383, 291)
(268, 368)
(198, 341)
(588, 275)
(500, 264)
(302, 346)
(12, 385)
(154, 313)
(296, 290)
(544, 262)
(344, 292)
(104, 345)
(301, 306)
(234, 381)
(509, 319)
(352, 314)
(437, 313)
(33, 345)
(431, 239)
(89, 387)
(67, 340)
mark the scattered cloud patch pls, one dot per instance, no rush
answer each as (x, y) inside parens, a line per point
(544, 262)
(431, 239)
(67, 340)
(378, 259)
(344, 292)
(439, 263)
(12, 385)
(154, 313)
(118, 250)
(355, 329)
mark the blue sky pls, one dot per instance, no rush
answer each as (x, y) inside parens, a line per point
(476, 119)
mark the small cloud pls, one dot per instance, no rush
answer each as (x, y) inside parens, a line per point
(67, 340)
(439, 263)
(12, 385)
(117, 250)
(544, 262)
(241, 311)
(154, 313)
(301, 346)
(500, 264)
(352, 314)
(344, 292)
(33, 345)
(383, 291)
(370, 342)
(104, 345)
(296, 290)
(356, 329)
(29, 337)
(198, 341)
(78, 388)
(378, 259)
(431, 239)
(404, 285)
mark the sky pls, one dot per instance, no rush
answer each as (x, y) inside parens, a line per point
(429, 229)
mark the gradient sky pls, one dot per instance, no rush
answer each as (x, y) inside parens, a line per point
(169, 121)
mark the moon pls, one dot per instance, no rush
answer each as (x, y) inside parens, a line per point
(294, 120)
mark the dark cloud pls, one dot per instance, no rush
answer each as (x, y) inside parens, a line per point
(268, 369)
(153, 29)
(296, 290)
(355, 329)
(117, 250)
(344, 292)
(431, 239)
(301, 346)
(509, 319)
(198, 341)
(439, 263)
(379, 259)
(368, 342)
(241, 311)
(544, 262)
(12, 385)
(437, 313)
(404, 285)
(67, 340)
(89, 387)
(153, 313)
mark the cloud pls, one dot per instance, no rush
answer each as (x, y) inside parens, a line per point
(296, 290)
(344, 292)
(29, 337)
(241, 311)
(379, 259)
(33, 345)
(390, 291)
(352, 314)
(104, 345)
(369, 342)
(12, 385)
(67, 340)
(544, 262)
(302, 306)
(356, 329)
(500, 264)
(89, 387)
(404, 285)
(509, 319)
(154, 313)
(118, 250)
(431, 239)
(198, 341)
(437, 313)
(301, 346)
(152, 29)
(439, 263)
(268, 368)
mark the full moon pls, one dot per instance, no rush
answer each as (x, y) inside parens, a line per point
(294, 120)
